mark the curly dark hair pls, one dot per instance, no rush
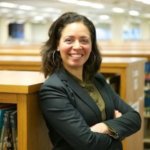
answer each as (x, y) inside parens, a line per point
(51, 60)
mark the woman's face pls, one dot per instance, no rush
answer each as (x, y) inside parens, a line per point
(75, 45)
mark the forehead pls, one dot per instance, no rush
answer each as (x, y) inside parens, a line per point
(76, 28)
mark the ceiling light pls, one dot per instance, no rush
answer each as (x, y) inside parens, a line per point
(26, 7)
(138, 0)
(51, 10)
(71, 2)
(38, 18)
(118, 10)
(133, 13)
(84, 3)
(90, 4)
(104, 17)
(8, 5)
(144, 1)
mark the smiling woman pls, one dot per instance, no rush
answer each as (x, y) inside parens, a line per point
(81, 110)
(75, 47)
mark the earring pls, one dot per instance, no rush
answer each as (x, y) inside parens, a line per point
(53, 57)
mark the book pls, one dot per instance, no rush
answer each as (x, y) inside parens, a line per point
(3, 108)
(6, 134)
(13, 122)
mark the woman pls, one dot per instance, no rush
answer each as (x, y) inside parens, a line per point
(81, 110)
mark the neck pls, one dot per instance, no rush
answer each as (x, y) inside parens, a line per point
(78, 73)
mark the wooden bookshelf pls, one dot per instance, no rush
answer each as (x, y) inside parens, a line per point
(25, 63)
(126, 53)
(130, 70)
(20, 88)
(130, 54)
(124, 45)
(20, 52)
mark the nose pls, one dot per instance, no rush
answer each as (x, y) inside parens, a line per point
(76, 45)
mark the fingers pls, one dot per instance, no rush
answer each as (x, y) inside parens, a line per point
(100, 128)
(117, 114)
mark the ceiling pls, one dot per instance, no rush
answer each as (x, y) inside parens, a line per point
(50, 9)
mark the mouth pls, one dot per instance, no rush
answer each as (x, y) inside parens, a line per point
(76, 56)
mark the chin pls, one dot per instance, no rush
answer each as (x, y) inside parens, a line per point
(76, 66)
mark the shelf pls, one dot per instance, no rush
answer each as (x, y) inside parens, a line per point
(147, 88)
(147, 112)
(146, 140)
(146, 116)
(21, 88)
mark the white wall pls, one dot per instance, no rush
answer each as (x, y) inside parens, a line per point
(3, 30)
(39, 32)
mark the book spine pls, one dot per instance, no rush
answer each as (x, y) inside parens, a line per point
(13, 121)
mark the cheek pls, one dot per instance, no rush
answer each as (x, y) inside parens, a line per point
(88, 49)
(63, 51)
(63, 47)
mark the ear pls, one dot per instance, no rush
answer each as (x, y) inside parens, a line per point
(58, 49)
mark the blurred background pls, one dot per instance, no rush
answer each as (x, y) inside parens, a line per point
(27, 21)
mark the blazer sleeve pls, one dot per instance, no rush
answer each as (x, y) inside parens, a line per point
(129, 122)
(61, 115)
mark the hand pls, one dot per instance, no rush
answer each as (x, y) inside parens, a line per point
(117, 114)
(100, 128)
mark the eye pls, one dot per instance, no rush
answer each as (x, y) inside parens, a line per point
(69, 41)
(84, 41)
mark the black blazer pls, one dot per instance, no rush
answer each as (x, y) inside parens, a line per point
(69, 112)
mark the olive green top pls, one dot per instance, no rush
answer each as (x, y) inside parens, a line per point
(94, 93)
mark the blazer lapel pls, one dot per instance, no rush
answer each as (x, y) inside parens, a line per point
(104, 94)
(65, 77)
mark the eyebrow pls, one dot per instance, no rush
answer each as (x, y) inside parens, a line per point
(84, 36)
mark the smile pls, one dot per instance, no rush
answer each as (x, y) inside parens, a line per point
(76, 55)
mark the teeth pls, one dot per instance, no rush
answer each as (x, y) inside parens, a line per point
(76, 55)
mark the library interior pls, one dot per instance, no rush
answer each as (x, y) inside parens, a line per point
(123, 37)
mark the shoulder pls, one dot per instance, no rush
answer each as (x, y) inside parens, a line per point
(100, 77)
(53, 81)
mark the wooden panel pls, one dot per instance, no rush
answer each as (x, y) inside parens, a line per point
(20, 81)
(8, 98)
